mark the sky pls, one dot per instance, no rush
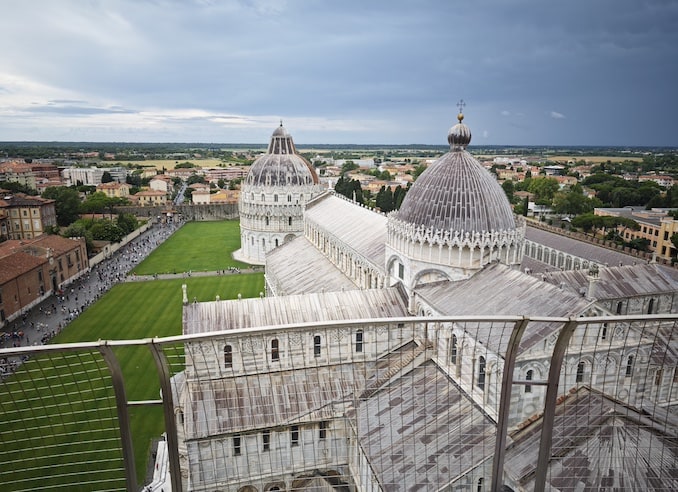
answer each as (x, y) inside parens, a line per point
(531, 72)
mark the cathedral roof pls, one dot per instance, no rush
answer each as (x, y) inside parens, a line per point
(281, 165)
(500, 290)
(360, 229)
(456, 193)
(298, 267)
(589, 426)
(618, 282)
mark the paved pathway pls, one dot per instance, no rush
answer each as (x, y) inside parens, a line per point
(42, 322)
(169, 276)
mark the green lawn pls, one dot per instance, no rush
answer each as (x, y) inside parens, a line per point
(137, 310)
(41, 405)
(197, 246)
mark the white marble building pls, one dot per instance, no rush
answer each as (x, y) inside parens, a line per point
(278, 185)
(392, 404)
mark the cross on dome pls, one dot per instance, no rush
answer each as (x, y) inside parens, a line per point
(461, 105)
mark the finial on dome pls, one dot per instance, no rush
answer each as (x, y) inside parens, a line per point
(461, 105)
(460, 135)
(280, 121)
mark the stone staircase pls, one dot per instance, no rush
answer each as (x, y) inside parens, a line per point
(396, 365)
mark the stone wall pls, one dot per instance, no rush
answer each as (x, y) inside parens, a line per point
(188, 212)
(580, 236)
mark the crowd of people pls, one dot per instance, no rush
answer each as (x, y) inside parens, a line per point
(42, 322)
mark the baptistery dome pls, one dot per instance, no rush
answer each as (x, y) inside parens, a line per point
(272, 198)
(281, 165)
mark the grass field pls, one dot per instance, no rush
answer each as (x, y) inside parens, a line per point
(151, 309)
(133, 310)
(197, 246)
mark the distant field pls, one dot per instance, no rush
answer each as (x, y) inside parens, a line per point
(596, 159)
(171, 163)
(197, 246)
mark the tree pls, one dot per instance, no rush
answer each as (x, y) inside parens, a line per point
(384, 199)
(78, 229)
(67, 203)
(508, 189)
(350, 189)
(418, 170)
(16, 187)
(185, 165)
(543, 189)
(574, 202)
(106, 230)
(348, 166)
(398, 196)
(96, 203)
(127, 223)
(195, 178)
(106, 177)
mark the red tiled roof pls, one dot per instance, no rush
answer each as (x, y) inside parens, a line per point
(15, 265)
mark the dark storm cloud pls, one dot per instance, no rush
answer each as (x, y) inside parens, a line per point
(353, 71)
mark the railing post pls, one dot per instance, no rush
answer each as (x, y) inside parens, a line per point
(550, 403)
(168, 410)
(123, 414)
(505, 403)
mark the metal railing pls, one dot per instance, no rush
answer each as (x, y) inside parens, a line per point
(438, 403)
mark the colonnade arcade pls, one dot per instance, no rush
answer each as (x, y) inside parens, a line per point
(360, 270)
(454, 248)
(556, 258)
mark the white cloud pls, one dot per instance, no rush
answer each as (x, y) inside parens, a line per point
(556, 115)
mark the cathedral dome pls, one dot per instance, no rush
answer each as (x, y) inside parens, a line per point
(281, 165)
(457, 194)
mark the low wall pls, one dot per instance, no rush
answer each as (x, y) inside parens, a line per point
(111, 248)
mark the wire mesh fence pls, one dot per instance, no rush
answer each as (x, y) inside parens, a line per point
(498, 403)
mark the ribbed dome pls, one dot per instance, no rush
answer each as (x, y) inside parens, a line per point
(456, 193)
(459, 135)
(281, 165)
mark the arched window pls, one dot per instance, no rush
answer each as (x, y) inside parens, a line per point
(528, 377)
(276, 243)
(316, 346)
(580, 372)
(289, 198)
(359, 341)
(481, 374)
(275, 198)
(453, 350)
(263, 242)
(650, 306)
(603, 332)
(289, 221)
(275, 350)
(263, 197)
(268, 220)
(629, 367)
(619, 307)
(228, 356)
